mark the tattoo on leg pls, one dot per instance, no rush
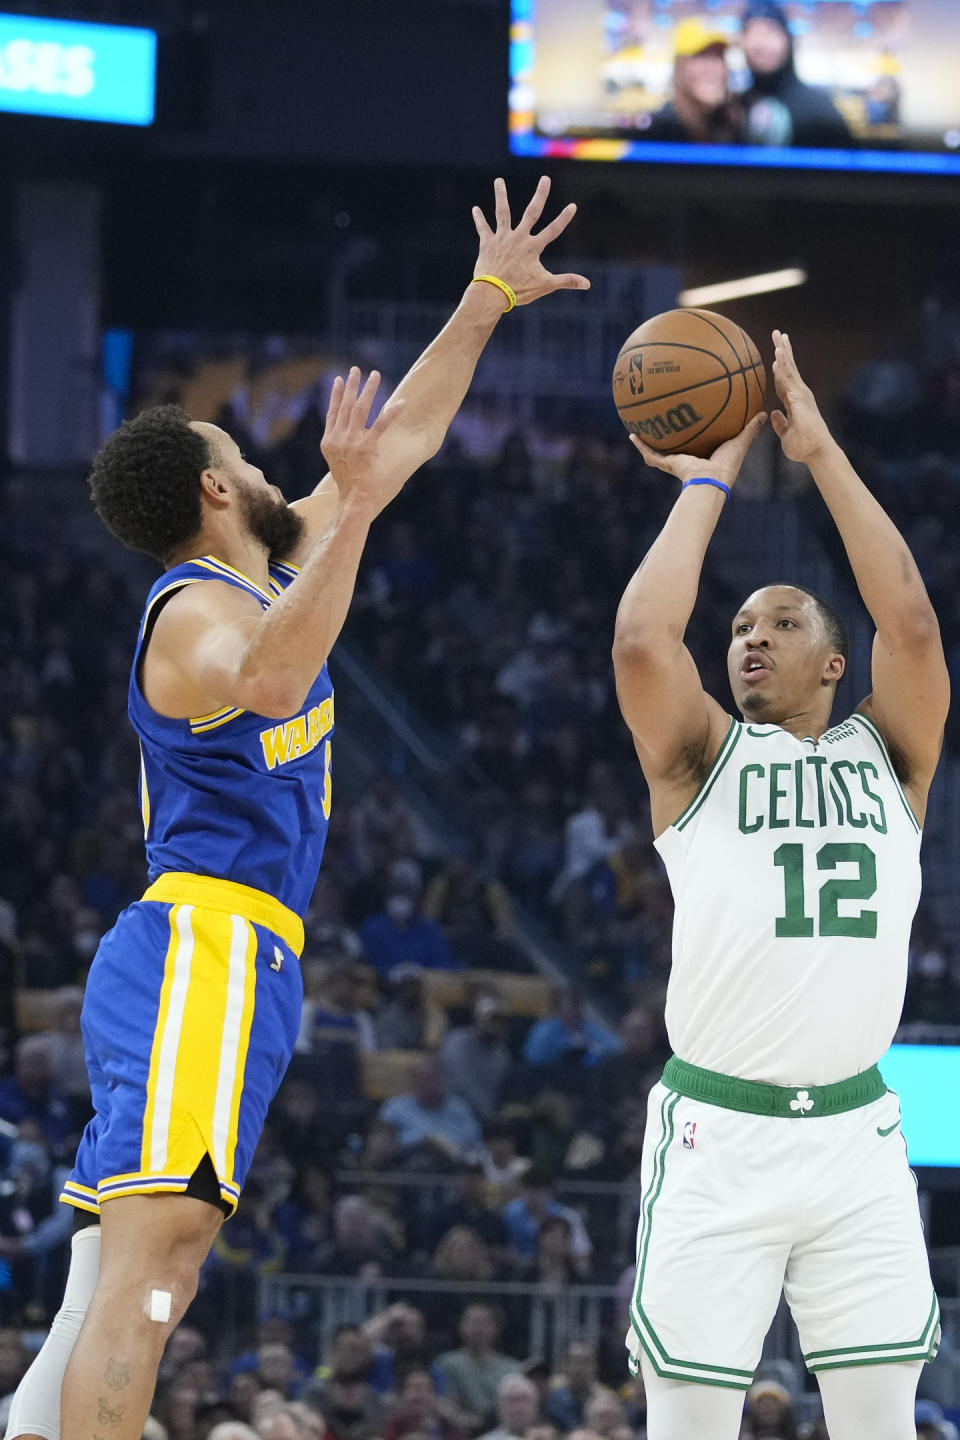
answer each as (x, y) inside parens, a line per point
(107, 1415)
(118, 1374)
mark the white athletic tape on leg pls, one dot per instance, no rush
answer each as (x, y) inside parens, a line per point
(160, 1306)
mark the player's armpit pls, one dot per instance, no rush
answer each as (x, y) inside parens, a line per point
(194, 662)
(677, 728)
(909, 702)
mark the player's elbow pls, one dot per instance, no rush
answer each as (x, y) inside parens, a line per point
(913, 627)
(633, 647)
(277, 696)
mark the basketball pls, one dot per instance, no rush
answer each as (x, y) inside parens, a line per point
(687, 380)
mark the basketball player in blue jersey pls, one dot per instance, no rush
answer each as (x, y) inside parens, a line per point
(773, 1157)
(193, 1002)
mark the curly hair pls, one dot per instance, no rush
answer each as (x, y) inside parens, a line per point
(145, 481)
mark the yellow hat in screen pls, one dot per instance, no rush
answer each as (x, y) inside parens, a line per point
(693, 35)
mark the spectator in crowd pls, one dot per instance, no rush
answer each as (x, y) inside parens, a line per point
(502, 1166)
(305, 1118)
(431, 1120)
(305, 1221)
(359, 1246)
(469, 1207)
(273, 1328)
(419, 1410)
(933, 994)
(400, 933)
(591, 835)
(177, 1412)
(525, 1215)
(242, 1392)
(408, 1020)
(604, 1413)
(928, 1418)
(476, 1060)
(460, 1256)
(330, 1017)
(552, 1130)
(781, 109)
(568, 1038)
(14, 1362)
(29, 1094)
(398, 1336)
(517, 1407)
(277, 1370)
(378, 1149)
(184, 1345)
(233, 1430)
(68, 1066)
(473, 910)
(34, 1228)
(474, 1372)
(625, 1076)
(556, 1267)
(568, 1393)
(308, 1419)
(350, 1357)
(769, 1411)
(351, 1407)
(383, 826)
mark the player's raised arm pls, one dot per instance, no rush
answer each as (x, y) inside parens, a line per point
(434, 388)
(676, 727)
(911, 689)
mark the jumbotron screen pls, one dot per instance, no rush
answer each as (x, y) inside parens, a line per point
(867, 85)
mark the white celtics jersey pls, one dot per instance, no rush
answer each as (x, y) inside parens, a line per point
(795, 873)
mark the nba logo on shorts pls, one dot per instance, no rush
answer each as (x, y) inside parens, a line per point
(689, 1130)
(277, 962)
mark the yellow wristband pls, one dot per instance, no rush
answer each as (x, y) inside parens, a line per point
(501, 285)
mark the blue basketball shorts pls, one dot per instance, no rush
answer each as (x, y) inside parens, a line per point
(191, 1013)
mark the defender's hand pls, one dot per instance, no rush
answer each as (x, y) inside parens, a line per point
(513, 253)
(357, 454)
(724, 464)
(802, 429)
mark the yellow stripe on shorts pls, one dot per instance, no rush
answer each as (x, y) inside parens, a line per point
(166, 1042)
(201, 1043)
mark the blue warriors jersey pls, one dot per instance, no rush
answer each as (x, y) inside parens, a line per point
(231, 794)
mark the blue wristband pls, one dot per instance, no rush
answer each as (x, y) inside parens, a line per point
(706, 480)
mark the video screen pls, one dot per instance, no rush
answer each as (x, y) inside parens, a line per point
(823, 84)
(77, 71)
(926, 1078)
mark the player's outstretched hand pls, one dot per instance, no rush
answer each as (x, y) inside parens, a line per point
(800, 426)
(513, 253)
(724, 464)
(359, 459)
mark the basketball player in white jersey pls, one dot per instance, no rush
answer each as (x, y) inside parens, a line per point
(773, 1156)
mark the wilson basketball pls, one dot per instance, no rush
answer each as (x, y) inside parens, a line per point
(687, 380)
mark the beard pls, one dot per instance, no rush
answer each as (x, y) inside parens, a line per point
(753, 704)
(272, 522)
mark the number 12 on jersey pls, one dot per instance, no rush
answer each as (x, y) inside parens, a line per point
(795, 923)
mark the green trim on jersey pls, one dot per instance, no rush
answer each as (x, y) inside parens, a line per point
(872, 729)
(665, 1365)
(723, 755)
(925, 1348)
(788, 1102)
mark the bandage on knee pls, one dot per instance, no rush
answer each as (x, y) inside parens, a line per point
(159, 1306)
